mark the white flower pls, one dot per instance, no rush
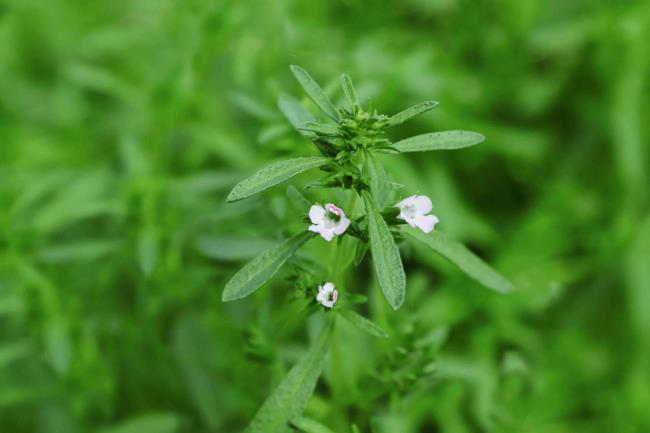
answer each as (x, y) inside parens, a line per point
(328, 221)
(327, 295)
(414, 210)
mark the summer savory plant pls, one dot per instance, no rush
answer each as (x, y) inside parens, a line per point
(349, 139)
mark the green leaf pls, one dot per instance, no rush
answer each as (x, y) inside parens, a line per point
(321, 128)
(12, 352)
(379, 182)
(290, 398)
(309, 425)
(411, 112)
(272, 132)
(77, 251)
(202, 183)
(439, 141)
(385, 255)
(348, 89)
(252, 106)
(151, 423)
(58, 345)
(274, 174)
(195, 352)
(315, 92)
(296, 114)
(637, 277)
(262, 268)
(360, 252)
(466, 260)
(148, 250)
(228, 248)
(363, 324)
(298, 198)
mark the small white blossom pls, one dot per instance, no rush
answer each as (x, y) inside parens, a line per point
(414, 210)
(327, 295)
(328, 221)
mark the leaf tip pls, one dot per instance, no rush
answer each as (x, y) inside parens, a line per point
(397, 300)
(396, 304)
(227, 296)
(295, 69)
(230, 293)
(507, 287)
(232, 197)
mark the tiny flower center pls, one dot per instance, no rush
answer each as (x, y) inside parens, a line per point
(333, 217)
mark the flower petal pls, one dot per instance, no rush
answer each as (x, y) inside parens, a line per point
(327, 234)
(422, 204)
(407, 219)
(335, 210)
(406, 202)
(317, 214)
(343, 225)
(426, 223)
(328, 287)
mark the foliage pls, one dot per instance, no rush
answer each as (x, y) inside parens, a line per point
(124, 125)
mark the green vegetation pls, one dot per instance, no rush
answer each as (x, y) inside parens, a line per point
(125, 125)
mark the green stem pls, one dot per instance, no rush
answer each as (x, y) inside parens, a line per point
(334, 261)
(343, 386)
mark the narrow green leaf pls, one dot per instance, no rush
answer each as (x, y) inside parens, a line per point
(274, 174)
(298, 198)
(290, 398)
(379, 182)
(411, 112)
(363, 324)
(262, 268)
(12, 395)
(148, 250)
(272, 132)
(309, 425)
(462, 257)
(194, 350)
(637, 277)
(348, 89)
(355, 429)
(228, 248)
(439, 141)
(202, 183)
(385, 255)
(150, 423)
(11, 352)
(321, 128)
(252, 106)
(390, 150)
(315, 92)
(78, 251)
(58, 345)
(628, 112)
(360, 252)
(296, 114)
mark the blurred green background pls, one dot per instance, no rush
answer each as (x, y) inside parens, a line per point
(123, 125)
